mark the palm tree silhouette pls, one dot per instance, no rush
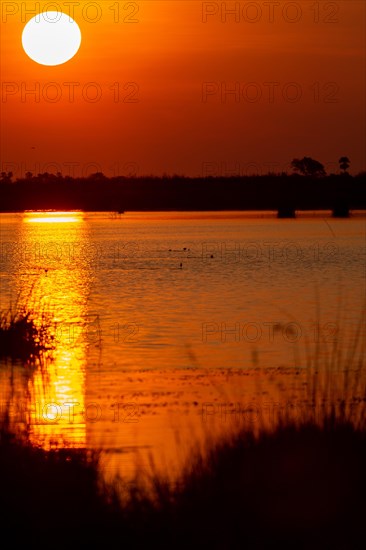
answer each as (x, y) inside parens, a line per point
(344, 164)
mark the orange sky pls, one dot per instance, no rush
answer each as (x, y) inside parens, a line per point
(169, 54)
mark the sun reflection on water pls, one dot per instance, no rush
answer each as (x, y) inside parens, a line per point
(53, 217)
(54, 393)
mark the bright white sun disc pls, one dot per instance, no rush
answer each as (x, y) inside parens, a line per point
(51, 38)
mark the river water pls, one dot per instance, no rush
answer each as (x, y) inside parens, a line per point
(163, 323)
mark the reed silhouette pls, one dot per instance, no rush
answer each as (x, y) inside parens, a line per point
(20, 337)
(300, 484)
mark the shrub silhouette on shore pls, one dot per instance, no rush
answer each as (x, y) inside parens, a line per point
(308, 167)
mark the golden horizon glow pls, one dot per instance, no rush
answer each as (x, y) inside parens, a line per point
(54, 217)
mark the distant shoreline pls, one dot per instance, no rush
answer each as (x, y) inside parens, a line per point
(197, 214)
(284, 194)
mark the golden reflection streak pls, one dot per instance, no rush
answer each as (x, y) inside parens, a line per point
(53, 217)
(55, 392)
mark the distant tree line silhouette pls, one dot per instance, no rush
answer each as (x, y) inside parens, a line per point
(310, 167)
(307, 188)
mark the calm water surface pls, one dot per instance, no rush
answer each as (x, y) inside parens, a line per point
(165, 321)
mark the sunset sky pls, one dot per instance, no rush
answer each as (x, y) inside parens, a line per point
(298, 69)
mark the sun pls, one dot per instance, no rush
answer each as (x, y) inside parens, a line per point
(51, 38)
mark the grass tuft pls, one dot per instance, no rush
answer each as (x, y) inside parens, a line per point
(21, 338)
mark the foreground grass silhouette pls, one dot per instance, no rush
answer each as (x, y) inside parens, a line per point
(301, 486)
(299, 483)
(20, 337)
